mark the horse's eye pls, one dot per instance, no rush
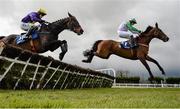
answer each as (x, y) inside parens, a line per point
(72, 23)
(75, 24)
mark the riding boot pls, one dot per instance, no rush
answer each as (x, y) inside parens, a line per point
(26, 36)
(131, 41)
(135, 42)
(31, 29)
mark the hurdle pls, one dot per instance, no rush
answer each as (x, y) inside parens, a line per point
(21, 69)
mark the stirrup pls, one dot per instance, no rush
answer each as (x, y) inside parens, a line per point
(135, 45)
(132, 46)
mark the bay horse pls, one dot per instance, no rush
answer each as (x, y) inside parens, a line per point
(48, 36)
(105, 48)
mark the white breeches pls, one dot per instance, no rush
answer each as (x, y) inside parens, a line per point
(27, 26)
(126, 34)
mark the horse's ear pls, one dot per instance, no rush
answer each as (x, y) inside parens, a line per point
(70, 15)
(156, 25)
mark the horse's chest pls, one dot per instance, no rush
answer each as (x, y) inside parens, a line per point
(142, 51)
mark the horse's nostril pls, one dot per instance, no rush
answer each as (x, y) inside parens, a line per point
(81, 31)
(167, 38)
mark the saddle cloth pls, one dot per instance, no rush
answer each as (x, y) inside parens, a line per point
(20, 38)
(125, 44)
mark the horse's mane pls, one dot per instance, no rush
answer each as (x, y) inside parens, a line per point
(147, 29)
(59, 21)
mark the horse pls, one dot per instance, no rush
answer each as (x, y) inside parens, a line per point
(48, 36)
(105, 48)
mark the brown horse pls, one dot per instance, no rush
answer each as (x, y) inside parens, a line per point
(104, 48)
(48, 36)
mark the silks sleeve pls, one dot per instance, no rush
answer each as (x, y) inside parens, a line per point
(131, 28)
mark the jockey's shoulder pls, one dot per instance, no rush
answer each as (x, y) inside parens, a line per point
(123, 22)
(33, 13)
(128, 23)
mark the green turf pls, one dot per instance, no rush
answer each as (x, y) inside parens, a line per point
(92, 98)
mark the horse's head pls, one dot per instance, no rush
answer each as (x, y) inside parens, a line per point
(158, 33)
(74, 25)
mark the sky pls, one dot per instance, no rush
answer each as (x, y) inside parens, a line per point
(100, 20)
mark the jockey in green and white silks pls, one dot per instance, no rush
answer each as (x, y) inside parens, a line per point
(126, 30)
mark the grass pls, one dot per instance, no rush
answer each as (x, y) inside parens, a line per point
(92, 98)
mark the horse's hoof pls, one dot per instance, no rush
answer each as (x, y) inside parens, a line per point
(64, 41)
(50, 57)
(163, 73)
(60, 59)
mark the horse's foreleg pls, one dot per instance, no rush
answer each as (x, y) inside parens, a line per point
(155, 62)
(64, 48)
(52, 45)
(56, 44)
(143, 61)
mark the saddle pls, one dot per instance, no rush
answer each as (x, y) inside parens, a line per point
(126, 45)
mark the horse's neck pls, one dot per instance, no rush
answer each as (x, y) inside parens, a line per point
(58, 26)
(145, 39)
(44, 29)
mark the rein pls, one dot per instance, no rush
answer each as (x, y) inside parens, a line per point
(144, 45)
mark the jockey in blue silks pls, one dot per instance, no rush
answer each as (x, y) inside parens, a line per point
(29, 22)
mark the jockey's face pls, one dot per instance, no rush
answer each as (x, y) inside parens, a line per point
(133, 23)
(41, 15)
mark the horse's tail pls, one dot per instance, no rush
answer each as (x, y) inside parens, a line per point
(93, 49)
(95, 45)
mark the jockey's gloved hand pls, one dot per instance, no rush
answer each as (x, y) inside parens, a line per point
(46, 22)
(42, 21)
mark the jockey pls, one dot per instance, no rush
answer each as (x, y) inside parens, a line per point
(29, 22)
(126, 30)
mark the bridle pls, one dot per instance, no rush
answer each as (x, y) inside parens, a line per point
(68, 24)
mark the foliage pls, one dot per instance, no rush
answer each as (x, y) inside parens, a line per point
(170, 80)
(173, 80)
(158, 80)
(127, 79)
